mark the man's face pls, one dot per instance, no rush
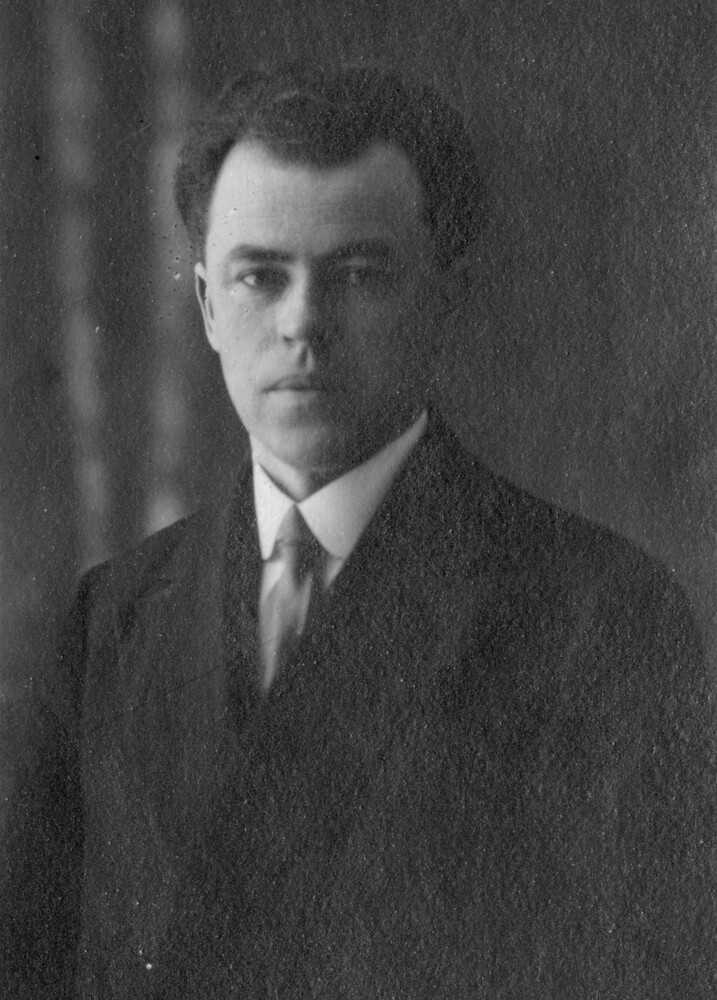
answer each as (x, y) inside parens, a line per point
(318, 293)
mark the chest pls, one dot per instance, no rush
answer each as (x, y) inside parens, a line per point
(400, 787)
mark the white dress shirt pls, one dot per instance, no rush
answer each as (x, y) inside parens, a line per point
(338, 513)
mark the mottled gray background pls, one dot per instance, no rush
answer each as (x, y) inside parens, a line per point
(582, 367)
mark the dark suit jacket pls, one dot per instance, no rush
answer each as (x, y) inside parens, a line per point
(486, 774)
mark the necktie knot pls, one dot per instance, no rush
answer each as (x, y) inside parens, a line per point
(285, 609)
(296, 544)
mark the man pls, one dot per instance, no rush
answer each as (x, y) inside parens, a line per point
(381, 725)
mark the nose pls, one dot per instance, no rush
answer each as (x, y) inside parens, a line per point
(301, 313)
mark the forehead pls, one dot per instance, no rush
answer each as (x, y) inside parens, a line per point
(260, 199)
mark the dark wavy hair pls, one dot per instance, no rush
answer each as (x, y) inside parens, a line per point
(319, 118)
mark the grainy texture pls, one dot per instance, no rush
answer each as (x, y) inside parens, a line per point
(582, 366)
(458, 789)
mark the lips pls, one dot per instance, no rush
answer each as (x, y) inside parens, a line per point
(301, 383)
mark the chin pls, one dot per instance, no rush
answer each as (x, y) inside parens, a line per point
(317, 449)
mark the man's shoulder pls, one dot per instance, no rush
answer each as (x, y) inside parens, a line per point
(167, 554)
(550, 558)
(492, 512)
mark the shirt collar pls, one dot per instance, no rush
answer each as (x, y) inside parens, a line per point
(339, 512)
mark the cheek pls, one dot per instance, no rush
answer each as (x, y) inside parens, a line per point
(395, 334)
(239, 329)
(378, 322)
(238, 351)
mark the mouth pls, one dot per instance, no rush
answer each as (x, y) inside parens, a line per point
(301, 383)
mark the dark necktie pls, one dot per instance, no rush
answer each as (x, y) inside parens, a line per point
(285, 608)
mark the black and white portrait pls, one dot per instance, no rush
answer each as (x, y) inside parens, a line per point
(357, 514)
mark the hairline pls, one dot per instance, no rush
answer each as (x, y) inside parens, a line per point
(312, 160)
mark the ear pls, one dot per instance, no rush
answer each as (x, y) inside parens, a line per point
(205, 303)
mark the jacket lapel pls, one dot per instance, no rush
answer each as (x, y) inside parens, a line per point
(427, 569)
(186, 644)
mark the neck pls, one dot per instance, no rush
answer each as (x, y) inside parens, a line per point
(296, 483)
(300, 483)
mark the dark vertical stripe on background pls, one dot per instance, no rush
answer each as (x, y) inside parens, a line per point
(170, 328)
(38, 530)
(73, 99)
(123, 270)
(37, 523)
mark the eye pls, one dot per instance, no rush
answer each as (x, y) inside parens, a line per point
(262, 279)
(365, 276)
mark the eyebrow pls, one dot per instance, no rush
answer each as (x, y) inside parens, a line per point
(363, 248)
(261, 255)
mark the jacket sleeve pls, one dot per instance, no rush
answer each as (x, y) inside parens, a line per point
(42, 836)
